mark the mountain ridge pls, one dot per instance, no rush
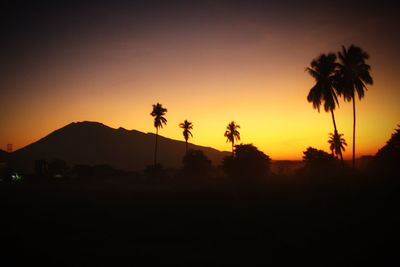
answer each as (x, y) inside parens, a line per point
(89, 142)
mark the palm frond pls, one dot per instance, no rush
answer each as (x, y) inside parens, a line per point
(158, 112)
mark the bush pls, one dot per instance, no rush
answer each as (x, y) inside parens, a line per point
(387, 160)
(316, 156)
(320, 163)
(247, 163)
(196, 164)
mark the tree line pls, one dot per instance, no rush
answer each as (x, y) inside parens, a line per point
(232, 133)
(344, 74)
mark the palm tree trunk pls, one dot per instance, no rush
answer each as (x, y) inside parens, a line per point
(186, 147)
(354, 132)
(155, 149)
(232, 148)
(336, 132)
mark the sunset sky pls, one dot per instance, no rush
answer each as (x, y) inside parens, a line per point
(210, 62)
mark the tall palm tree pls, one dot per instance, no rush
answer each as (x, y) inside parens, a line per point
(353, 75)
(186, 126)
(158, 113)
(323, 70)
(232, 134)
(337, 143)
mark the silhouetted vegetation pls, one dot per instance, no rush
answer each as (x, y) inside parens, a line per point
(232, 134)
(387, 160)
(196, 164)
(319, 163)
(187, 126)
(353, 76)
(345, 78)
(323, 70)
(313, 155)
(158, 113)
(248, 218)
(237, 214)
(337, 144)
(247, 163)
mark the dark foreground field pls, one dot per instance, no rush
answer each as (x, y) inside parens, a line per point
(125, 221)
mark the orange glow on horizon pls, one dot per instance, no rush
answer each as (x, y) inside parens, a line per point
(282, 124)
(245, 69)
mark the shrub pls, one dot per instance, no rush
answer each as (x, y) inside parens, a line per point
(320, 163)
(247, 163)
(196, 164)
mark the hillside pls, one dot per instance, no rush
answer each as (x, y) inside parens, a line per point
(95, 143)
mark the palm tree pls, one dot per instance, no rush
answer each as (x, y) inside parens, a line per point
(232, 133)
(158, 113)
(353, 75)
(323, 70)
(186, 126)
(337, 143)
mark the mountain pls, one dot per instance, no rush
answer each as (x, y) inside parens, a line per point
(95, 143)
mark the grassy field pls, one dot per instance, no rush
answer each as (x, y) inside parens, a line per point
(200, 222)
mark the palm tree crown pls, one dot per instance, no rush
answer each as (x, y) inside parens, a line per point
(337, 143)
(353, 72)
(186, 126)
(323, 71)
(353, 75)
(232, 133)
(158, 113)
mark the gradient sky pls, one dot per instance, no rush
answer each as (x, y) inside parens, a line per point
(210, 62)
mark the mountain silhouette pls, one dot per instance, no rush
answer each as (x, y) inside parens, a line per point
(94, 143)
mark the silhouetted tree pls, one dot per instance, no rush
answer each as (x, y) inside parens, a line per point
(323, 71)
(319, 163)
(158, 113)
(353, 75)
(232, 134)
(186, 126)
(387, 159)
(314, 155)
(337, 144)
(248, 163)
(195, 163)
